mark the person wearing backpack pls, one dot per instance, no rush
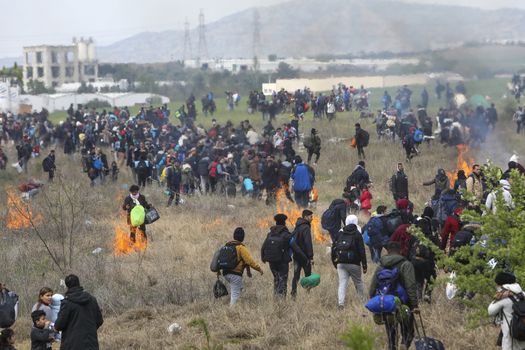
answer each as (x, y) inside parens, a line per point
(451, 227)
(142, 169)
(359, 176)
(349, 257)
(49, 165)
(275, 251)
(173, 180)
(362, 138)
(405, 277)
(377, 234)
(242, 261)
(333, 217)
(509, 298)
(399, 183)
(303, 178)
(303, 252)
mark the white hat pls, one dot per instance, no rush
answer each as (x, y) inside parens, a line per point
(514, 158)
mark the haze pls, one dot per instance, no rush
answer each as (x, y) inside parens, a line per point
(57, 21)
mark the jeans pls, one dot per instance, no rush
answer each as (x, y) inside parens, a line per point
(235, 282)
(345, 272)
(375, 253)
(280, 278)
(174, 194)
(297, 267)
(301, 198)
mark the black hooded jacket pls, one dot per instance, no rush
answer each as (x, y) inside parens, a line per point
(303, 237)
(359, 256)
(278, 230)
(79, 319)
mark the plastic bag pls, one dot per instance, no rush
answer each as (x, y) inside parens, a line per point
(451, 288)
(219, 289)
(137, 215)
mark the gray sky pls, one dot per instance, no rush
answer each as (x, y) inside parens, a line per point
(56, 21)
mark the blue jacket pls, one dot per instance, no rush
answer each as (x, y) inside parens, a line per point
(303, 179)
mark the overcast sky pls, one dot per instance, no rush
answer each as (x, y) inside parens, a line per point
(32, 22)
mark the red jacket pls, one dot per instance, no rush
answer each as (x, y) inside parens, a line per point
(402, 236)
(450, 229)
(366, 200)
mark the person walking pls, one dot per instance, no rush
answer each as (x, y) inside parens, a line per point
(173, 180)
(475, 182)
(79, 318)
(245, 262)
(275, 251)
(313, 146)
(399, 183)
(508, 291)
(303, 252)
(135, 198)
(303, 180)
(407, 279)
(361, 139)
(349, 257)
(49, 165)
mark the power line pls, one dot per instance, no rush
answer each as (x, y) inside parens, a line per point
(203, 48)
(187, 42)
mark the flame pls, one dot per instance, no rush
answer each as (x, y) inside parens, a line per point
(19, 212)
(461, 164)
(212, 226)
(284, 206)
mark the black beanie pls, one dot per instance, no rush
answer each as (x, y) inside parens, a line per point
(238, 234)
(280, 219)
(505, 278)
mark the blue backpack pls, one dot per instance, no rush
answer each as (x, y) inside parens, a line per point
(97, 164)
(387, 290)
(418, 135)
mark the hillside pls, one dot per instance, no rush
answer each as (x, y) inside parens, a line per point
(306, 28)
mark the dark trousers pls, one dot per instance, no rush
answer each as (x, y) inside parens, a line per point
(51, 174)
(142, 180)
(174, 194)
(280, 278)
(301, 198)
(407, 332)
(133, 232)
(297, 267)
(361, 152)
(317, 155)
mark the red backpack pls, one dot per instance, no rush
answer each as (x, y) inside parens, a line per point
(213, 169)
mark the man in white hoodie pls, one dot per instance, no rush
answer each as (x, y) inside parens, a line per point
(507, 290)
(507, 197)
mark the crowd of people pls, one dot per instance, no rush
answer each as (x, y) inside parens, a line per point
(188, 159)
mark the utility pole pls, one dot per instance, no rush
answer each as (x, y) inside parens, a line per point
(203, 48)
(187, 41)
(256, 40)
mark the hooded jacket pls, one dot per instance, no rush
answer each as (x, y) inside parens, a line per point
(303, 236)
(303, 178)
(407, 276)
(359, 256)
(245, 260)
(79, 319)
(503, 307)
(441, 181)
(399, 185)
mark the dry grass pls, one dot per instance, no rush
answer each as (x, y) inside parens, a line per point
(143, 293)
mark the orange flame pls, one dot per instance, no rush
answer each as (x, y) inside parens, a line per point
(461, 164)
(284, 206)
(19, 212)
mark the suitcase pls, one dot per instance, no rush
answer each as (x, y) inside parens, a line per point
(424, 342)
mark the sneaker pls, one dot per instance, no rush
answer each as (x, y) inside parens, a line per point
(340, 307)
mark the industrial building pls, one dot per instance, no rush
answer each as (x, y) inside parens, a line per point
(56, 65)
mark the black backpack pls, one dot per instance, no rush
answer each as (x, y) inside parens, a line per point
(46, 164)
(462, 238)
(8, 301)
(228, 258)
(142, 167)
(517, 324)
(330, 219)
(275, 247)
(344, 249)
(366, 138)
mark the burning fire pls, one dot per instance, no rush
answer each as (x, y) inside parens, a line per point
(461, 164)
(123, 244)
(19, 212)
(284, 206)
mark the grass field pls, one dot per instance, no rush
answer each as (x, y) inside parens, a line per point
(142, 293)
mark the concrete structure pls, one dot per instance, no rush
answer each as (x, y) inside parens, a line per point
(61, 102)
(377, 81)
(56, 65)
